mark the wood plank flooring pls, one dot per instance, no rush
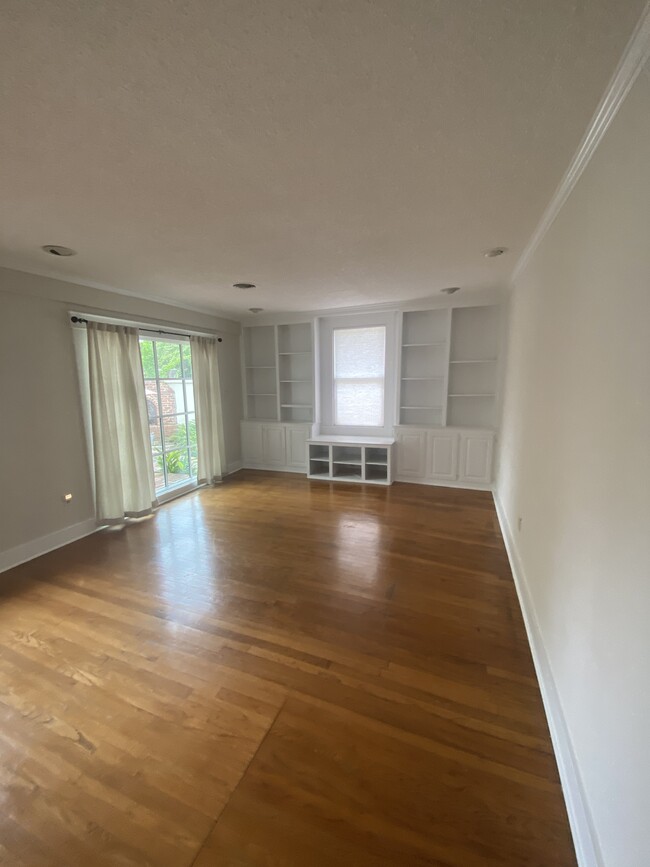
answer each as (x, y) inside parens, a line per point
(277, 672)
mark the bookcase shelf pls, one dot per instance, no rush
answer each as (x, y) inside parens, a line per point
(278, 374)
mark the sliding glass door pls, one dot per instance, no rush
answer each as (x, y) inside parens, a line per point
(167, 367)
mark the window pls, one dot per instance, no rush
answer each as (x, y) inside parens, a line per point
(359, 372)
(167, 369)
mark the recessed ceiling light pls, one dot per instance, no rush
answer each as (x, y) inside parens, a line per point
(244, 285)
(56, 250)
(494, 252)
(256, 309)
(450, 290)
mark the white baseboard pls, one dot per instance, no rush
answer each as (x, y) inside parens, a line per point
(252, 466)
(444, 483)
(582, 828)
(233, 467)
(29, 550)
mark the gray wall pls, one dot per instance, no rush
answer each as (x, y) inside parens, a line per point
(575, 466)
(42, 444)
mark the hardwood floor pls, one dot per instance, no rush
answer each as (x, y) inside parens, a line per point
(277, 672)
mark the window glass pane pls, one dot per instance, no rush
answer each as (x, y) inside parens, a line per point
(359, 403)
(177, 465)
(175, 432)
(169, 360)
(148, 364)
(155, 435)
(191, 432)
(171, 396)
(189, 395)
(186, 355)
(151, 395)
(359, 352)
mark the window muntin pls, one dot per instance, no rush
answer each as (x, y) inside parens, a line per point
(359, 362)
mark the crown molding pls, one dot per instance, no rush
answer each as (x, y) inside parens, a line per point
(630, 65)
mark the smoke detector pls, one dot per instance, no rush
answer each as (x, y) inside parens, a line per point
(450, 290)
(256, 310)
(494, 252)
(243, 285)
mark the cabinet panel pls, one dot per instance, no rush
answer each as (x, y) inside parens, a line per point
(476, 458)
(443, 456)
(273, 445)
(411, 454)
(251, 439)
(297, 447)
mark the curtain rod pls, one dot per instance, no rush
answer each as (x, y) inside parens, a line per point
(78, 320)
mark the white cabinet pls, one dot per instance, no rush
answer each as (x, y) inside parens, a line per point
(296, 446)
(443, 456)
(448, 456)
(251, 444)
(411, 454)
(475, 463)
(275, 445)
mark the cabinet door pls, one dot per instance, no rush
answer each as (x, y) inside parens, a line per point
(476, 457)
(443, 456)
(411, 454)
(251, 443)
(297, 447)
(273, 446)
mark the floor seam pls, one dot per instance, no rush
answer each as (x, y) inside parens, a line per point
(239, 781)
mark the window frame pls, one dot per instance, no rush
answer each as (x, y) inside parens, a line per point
(182, 486)
(325, 404)
(358, 379)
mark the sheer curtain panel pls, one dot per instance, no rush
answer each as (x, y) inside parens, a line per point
(207, 401)
(124, 483)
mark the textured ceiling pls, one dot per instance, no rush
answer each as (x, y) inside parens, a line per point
(335, 152)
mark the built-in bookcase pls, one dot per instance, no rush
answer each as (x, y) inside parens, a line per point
(296, 372)
(473, 367)
(260, 373)
(278, 374)
(425, 354)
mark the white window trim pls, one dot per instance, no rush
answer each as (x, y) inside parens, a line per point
(326, 327)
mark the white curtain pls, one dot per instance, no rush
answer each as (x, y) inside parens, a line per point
(124, 481)
(207, 399)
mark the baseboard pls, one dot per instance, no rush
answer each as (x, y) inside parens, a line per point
(37, 547)
(444, 483)
(233, 467)
(276, 469)
(582, 828)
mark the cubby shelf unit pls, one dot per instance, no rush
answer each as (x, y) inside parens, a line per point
(278, 372)
(351, 459)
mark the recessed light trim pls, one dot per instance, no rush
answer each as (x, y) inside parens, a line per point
(494, 252)
(256, 310)
(449, 290)
(57, 250)
(243, 285)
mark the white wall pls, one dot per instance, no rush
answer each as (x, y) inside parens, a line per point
(42, 446)
(575, 466)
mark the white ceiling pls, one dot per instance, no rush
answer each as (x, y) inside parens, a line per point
(335, 152)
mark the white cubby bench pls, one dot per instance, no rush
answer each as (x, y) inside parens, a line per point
(351, 459)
